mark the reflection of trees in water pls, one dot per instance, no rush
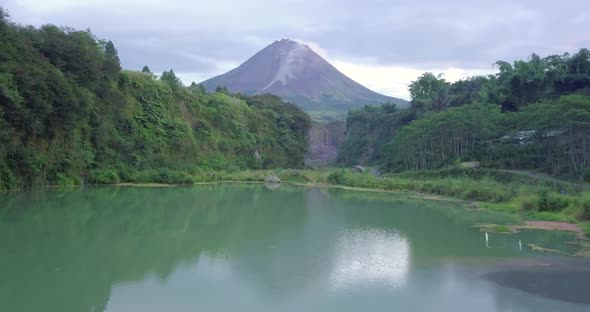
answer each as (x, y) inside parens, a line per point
(68, 248)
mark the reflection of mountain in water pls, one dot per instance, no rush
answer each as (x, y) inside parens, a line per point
(73, 246)
(133, 248)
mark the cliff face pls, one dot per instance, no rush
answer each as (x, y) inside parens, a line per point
(325, 140)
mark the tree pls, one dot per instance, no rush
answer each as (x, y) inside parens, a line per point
(170, 78)
(221, 89)
(112, 64)
(146, 70)
(68, 114)
(198, 88)
(430, 93)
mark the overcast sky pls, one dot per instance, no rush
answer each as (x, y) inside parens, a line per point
(383, 44)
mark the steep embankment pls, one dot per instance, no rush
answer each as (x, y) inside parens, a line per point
(325, 140)
(68, 115)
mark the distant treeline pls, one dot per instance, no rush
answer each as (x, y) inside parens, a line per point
(69, 114)
(532, 114)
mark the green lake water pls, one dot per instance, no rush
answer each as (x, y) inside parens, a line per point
(252, 248)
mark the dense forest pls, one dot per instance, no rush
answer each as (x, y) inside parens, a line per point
(532, 115)
(69, 114)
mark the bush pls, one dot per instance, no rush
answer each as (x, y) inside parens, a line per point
(61, 179)
(294, 176)
(167, 176)
(104, 176)
(127, 174)
(584, 204)
(549, 201)
(337, 177)
(7, 179)
(528, 202)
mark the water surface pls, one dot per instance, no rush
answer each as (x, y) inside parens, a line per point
(249, 248)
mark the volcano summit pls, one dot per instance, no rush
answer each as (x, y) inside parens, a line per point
(296, 73)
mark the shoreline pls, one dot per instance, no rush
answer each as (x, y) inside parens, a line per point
(528, 223)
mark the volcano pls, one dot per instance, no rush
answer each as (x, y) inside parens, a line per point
(297, 74)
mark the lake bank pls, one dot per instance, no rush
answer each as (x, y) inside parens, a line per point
(526, 197)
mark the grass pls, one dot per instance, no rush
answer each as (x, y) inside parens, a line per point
(550, 216)
(532, 198)
(520, 195)
(500, 229)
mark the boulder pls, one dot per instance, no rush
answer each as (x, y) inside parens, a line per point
(272, 179)
(374, 172)
(358, 168)
(469, 164)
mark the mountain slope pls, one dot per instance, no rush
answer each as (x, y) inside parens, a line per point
(296, 73)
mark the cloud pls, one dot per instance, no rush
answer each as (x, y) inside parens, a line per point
(381, 43)
(394, 80)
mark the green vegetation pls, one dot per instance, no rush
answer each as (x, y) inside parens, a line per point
(69, 115)
(326, 116)
(368, 130)
(496, 228)
(532, 115)
(534, 199)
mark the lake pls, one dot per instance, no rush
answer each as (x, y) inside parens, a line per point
(255, 248)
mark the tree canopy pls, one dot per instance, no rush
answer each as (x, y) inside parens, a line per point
(532, 114)
(69, 114)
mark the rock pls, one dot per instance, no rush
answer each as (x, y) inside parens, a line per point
(469, 164)
(375, 172)
(272, 179)
(325, 140)
(358, 168)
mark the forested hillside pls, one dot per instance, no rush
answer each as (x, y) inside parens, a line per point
(69, 114)
(532, 114)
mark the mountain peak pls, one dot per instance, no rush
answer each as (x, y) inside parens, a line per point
(286, 41)
(296, 73)
(291, 58)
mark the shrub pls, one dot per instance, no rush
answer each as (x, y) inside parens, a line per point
(61, 179)
(104, 176)
(549, 201)
(528, 202)
(167, 176)
(294, 176)
(127, 174)
(584, 204)
(7, 178)
(337, 177)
